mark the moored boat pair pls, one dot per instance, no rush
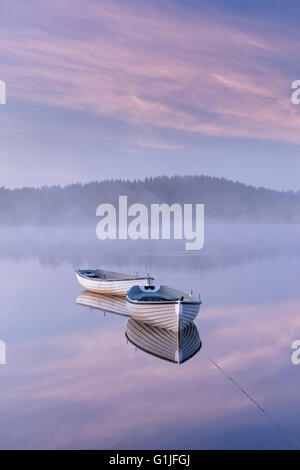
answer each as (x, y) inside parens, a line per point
(157, 305)
(173, 346)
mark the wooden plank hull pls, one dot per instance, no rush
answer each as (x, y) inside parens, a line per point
(113, 287)
(172, 346)
(112, 304)
(169, 315)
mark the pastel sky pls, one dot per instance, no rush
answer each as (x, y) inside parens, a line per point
(132, 88)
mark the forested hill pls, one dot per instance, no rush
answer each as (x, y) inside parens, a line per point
(76, 204)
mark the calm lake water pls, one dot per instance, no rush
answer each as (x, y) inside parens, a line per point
(72, 380)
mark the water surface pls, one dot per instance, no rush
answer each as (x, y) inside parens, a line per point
(72, 380)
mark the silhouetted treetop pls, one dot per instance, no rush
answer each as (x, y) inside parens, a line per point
(76, 203)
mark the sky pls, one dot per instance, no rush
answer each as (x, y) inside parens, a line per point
(134, 88)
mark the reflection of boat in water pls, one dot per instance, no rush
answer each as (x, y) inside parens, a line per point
(107, 303)
(173, 346)
(107, 282)
(162, 306)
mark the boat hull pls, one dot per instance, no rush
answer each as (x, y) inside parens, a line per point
(189, 311)
(113, 287)
(169, 315)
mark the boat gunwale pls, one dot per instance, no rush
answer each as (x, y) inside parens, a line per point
(147, 302)
(133, 278)
(175, 297)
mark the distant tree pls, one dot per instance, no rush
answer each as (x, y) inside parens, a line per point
(75, 204)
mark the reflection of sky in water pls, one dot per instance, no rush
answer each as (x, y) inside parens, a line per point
(72, 381)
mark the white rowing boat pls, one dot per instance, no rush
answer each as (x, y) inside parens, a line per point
(162, 306)
(107, 303)
(107, 282)
(172, 346)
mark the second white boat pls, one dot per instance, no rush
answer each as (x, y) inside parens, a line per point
(108, 282)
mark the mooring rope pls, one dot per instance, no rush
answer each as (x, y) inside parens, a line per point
(246, 394)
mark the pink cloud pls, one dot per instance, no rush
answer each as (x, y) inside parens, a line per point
(158, 69)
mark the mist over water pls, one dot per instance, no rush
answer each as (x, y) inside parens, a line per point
(225, 244)
(73, 381)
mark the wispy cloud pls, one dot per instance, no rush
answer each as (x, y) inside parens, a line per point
(162, 68)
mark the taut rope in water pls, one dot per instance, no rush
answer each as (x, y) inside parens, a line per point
(277, 425)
